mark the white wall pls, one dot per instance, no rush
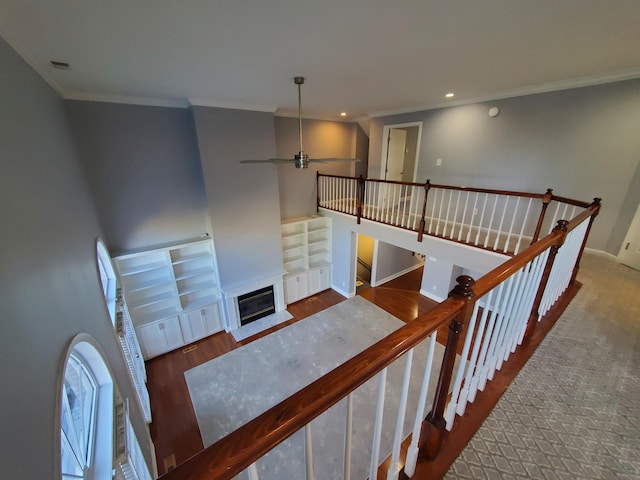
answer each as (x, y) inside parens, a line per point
(391, 261)
(442, 255)
(48, 273)
(582, 143)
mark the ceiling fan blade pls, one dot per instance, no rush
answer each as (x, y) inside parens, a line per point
(332, 160)
(270, 160)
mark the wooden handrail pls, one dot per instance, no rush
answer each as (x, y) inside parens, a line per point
(570, 201)
(244, 446)
(232, 454)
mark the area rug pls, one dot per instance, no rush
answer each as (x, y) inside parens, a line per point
(230, 390)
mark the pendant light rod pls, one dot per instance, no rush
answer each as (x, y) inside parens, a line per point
(299, 81)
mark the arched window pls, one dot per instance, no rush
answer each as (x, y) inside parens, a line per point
(86, 413)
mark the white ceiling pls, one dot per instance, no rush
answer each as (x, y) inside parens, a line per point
(366, 57)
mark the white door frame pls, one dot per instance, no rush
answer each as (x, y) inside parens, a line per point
(631, 239)
(385, 135)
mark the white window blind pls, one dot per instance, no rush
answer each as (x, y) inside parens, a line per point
(133, 355)
(130, 463)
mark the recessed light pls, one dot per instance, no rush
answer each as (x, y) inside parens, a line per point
(60, 65)
(449, 95)
(343, 114)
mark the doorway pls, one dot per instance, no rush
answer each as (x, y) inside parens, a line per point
(630, 251)
(400, 149)
(364, 266)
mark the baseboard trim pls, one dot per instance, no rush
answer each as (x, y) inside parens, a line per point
(341, 292)
(602, 253)
(431, 296)
(396, 275)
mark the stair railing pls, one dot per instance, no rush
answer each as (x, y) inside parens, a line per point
(491, 316)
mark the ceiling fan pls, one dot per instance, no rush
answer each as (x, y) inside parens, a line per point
(301, 159)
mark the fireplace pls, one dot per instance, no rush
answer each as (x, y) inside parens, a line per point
(255, 305)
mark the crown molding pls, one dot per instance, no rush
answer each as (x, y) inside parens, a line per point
(205, 102)
(126, 99)
(521, 92)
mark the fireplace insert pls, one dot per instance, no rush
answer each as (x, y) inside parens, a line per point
(255, 305)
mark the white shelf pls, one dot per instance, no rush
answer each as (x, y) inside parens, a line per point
(166, 281)
(306, 247)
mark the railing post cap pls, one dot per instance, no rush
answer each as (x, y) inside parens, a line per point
(464, 287)
(562, 225)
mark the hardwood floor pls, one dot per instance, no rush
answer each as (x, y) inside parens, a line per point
(175, 430)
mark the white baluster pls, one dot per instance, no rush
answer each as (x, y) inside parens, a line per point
(455, 215)
(555, 218)
(472, 363)
(405, 219)
(412, 450)
(513, 280)
(450, 412)
(347, 438)
(396, 466)
(495, 204)
(446, 218)
(479, 379)
(504, 210)
(308, 450)
(464, 215)
(484, 208)
(513, 219)
(252, 471)
(473, 216)
(433, 207)
(524, 222)
(377, 427)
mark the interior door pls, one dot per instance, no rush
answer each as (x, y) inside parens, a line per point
(630, 251)
(396, 144)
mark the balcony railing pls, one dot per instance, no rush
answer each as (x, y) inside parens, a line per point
(497, 220)
(490, 316)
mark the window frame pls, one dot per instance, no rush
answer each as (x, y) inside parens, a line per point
(99, 464)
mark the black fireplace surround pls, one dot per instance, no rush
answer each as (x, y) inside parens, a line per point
(255, 305)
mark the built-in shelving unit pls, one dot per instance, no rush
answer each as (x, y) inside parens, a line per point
(173, 294)
(306, 253)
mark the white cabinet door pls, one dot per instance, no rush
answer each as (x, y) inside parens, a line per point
(200, 323)
(295, 288)
(319, 279)
(159, 337)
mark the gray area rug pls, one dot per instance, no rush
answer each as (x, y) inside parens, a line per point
(230, 390)
(573, 411)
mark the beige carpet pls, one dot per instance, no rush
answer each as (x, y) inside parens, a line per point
(573, 411)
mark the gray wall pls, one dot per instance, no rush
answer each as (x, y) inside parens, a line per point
(582, 143)
(322, 139)
(243, 198)
(48, 275)
(390, 261)
(144, 171)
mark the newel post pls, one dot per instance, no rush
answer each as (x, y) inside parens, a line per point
(535, 313)
(433, 426)
(360, 197)
(546, 199)
(427, 187)
(596, 210)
